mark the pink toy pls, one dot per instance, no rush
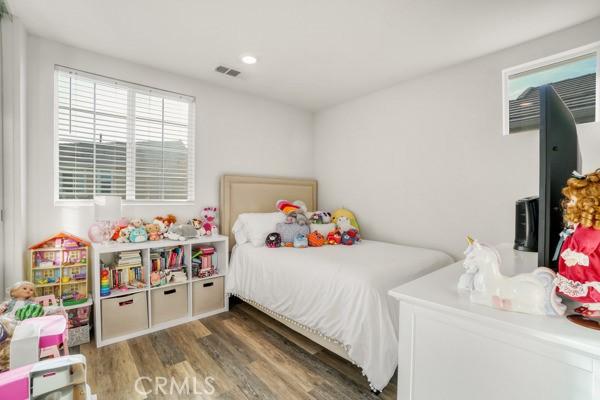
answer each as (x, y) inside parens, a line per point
(209, 221)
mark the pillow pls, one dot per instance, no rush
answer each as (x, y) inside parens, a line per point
(238, 232)
(288, 232)
(254, 227)
(323, 229)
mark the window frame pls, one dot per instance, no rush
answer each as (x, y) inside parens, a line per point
(592, 48)
(132, 88)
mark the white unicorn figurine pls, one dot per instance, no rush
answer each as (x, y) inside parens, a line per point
(532, 293)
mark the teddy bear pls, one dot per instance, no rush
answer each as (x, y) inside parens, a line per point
(153, 231)
(209, 221)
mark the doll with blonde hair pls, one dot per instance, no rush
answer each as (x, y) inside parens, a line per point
(579, 263)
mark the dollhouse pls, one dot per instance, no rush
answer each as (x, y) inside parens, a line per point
(59, 266)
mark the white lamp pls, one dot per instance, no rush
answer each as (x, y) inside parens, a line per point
(107, 210)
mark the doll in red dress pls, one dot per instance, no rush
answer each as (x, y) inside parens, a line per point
(579, 263)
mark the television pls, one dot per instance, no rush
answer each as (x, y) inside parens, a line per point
(559, 157)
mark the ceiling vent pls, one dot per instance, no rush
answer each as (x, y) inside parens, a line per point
(227, 71)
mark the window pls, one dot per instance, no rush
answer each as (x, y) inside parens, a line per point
(572, 74)
(123, 139)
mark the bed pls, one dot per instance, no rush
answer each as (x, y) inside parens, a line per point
(334, 295)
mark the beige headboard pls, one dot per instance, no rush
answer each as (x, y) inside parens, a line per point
(242, 194)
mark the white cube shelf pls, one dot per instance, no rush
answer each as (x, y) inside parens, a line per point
(179, 293)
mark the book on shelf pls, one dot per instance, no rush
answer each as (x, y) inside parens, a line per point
(163, 259)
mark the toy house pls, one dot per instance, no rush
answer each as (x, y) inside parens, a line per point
(59, 266)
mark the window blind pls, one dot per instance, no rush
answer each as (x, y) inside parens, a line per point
(123, 139)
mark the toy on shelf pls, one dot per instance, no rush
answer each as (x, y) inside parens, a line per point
(59, 266)
(104, 283)
(204, 262)
(579, 261)
(531, 293)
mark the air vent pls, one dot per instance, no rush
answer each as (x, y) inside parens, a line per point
(227, 71)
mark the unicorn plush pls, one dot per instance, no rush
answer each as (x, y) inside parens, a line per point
(532, 293)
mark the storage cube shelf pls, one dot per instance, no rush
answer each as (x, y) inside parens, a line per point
(167, 289)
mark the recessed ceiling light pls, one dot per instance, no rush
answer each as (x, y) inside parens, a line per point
(247, 59)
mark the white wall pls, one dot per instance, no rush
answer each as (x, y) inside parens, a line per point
(14, 83)
(425, 162)
(236, 133)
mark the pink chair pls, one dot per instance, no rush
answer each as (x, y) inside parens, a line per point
(53, 329)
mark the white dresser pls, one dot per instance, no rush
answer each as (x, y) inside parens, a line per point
(450, 349)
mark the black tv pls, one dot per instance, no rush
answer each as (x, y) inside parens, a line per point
(559, 157)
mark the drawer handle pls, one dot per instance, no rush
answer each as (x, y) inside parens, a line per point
(167, 292)
(209, 284)
(125, 303)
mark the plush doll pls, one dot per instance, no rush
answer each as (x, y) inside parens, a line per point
(124, 235)
(320, 217)
(295, 212)
(164, 223)
(350, 237)
(343, 224)
(22, 306)
(300, 241)
(334, 237)
(138, 235)
(153, 231)
(209, 221)
(273, 240)
(579, 262)
(342, 212)
(136, 223)
(196, 223)
(121, 223)
(315, 239)
(181, 232)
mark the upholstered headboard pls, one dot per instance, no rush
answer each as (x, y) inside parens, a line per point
(242, 194)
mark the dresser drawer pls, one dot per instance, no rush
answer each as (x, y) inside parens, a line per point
(124, 314)
(169, 303)
(207, 295)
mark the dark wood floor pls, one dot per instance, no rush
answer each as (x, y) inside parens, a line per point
(248, 354)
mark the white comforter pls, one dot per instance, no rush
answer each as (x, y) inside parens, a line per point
(340, 291)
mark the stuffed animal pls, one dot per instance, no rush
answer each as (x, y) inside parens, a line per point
(320, 217)
(343, 224)
(138, 235)
(342, 212)
(124, 235)
(153, 231)
(181, 232)
(334, 237)
(315, 239)
(136, 223)
(300, 241)
(121, 223)
(209, 221)
(295, 212)
(196, 223)
(273, 240)
(349, 238)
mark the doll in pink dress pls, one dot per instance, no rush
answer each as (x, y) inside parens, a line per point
(579, 262)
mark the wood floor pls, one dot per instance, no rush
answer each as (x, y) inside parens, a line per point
(247, 354)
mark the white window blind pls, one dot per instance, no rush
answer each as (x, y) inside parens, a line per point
(119, 138)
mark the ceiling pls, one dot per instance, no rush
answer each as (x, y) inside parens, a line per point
(312, 53)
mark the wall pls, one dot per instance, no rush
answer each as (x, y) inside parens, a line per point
(236, 133)
(425, 162)
(14, 168)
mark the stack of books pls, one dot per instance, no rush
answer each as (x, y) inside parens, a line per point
(204, 261)
(128, 272)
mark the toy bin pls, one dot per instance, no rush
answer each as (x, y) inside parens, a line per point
(169, 303)
(124, 314)
(207, 295)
